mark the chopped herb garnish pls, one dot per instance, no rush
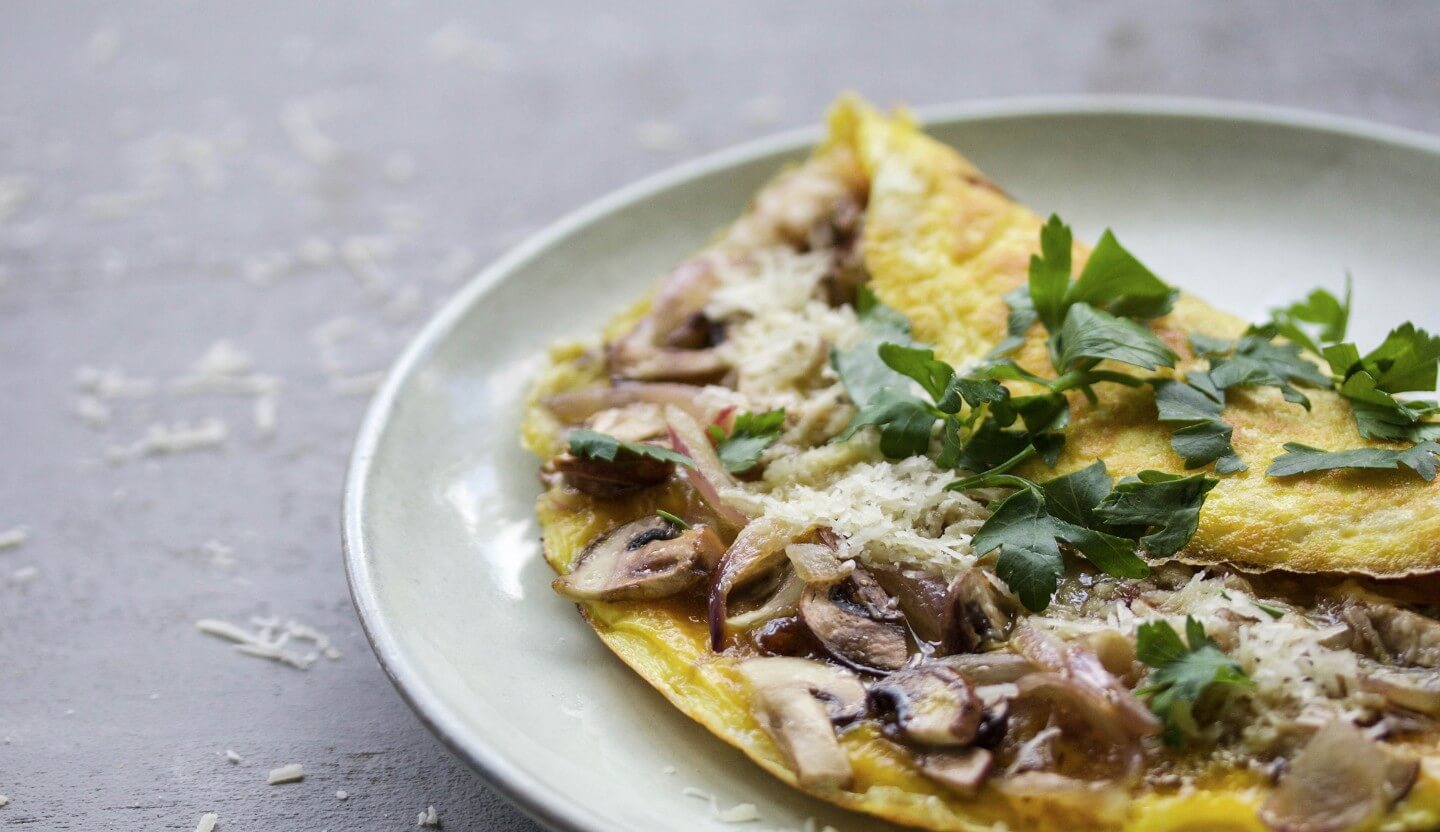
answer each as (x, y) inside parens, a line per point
(751, 434)
(1101, 521)
(1182, 673)
(671, 519)
(1303, 459)
(594, 445)
(1196, 404)
(1405, 362)
(1273, 612)
(1167, 505)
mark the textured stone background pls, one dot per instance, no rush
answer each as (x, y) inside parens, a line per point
(173, 173)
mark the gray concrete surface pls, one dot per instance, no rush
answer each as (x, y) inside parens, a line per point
(173, 173)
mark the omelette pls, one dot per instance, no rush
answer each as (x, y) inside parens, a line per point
(781, 489)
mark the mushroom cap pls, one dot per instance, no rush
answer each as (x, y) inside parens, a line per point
(645, 559)
(1339, 781)
(798, 703)
(962, 771)
(850, 622)
(928, 705)
(976, 614)
(612, 478)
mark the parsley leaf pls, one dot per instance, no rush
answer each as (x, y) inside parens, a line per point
(751, 434)
(919, 364)
(672, 519)
(1166, 504)
(1326, 314)
(1255, 360)
(1182, 673)
(1196, 403)
(1071, 501)
(1050, 273)
(1406, 361)
(1303, 459)
(1030, 562)
(1092, 333)
(905, 423)
(1115, 281)
(1028, 524)
(594, 445)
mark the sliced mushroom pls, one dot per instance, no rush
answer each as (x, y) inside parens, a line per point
(977, 614)
(646, 559)
(929, 705)
(1391, 634)
(1082, 802)
(781, 601)
(1076, 676)
(989, 668)
(663, 345)
(1413, 691)
(963, 771)
(757, 550)
(799, 702)
(854, 626)
(1341, 780)
(625, 474)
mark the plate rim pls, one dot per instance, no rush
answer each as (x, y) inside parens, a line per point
(549, 807)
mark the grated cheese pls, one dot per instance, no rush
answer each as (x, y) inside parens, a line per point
(24, 575)
(92, 412)
(15, 191)
(270, 640)
(342, 795)
(657, 136)
(207, 822)
(233, 758)
(179, 437)
(13, 538)
(4, 801)
(428, 818)
(292, 773)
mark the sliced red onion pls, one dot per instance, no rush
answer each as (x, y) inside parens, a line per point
(575, 406)
(758, 548)
(709, 474)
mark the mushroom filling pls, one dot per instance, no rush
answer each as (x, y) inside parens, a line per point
(644, 560)
(845, 587)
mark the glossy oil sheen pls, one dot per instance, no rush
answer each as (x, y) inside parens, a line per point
(1246, 206)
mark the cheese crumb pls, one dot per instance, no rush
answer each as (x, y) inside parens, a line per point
(657, 136)
(292, 773)
(24, 575)
(207, 822)
(342, 795)
(14, 537)
(428, 818)
(233, 758)
(4, 801)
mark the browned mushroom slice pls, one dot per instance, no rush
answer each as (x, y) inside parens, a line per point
(853, 629)
(963, 771)
(1417, 691)
(799, 702)
(1340, 781)
(976, 615)
(671, 342)
(1392, 634)
(623, 475)
(989, 668)
(928, 705)
(646, 559)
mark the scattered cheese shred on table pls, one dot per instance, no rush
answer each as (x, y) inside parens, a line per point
(270, 640)
(232, 757)
(292, 773)
(14, 537)
(739, 813)
(4, 801)
(342, 795)
(207, 822)
(428, 818)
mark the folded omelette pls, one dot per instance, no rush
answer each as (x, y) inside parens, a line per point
(775, 489)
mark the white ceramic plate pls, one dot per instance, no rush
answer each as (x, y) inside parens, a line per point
(1246, 206)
